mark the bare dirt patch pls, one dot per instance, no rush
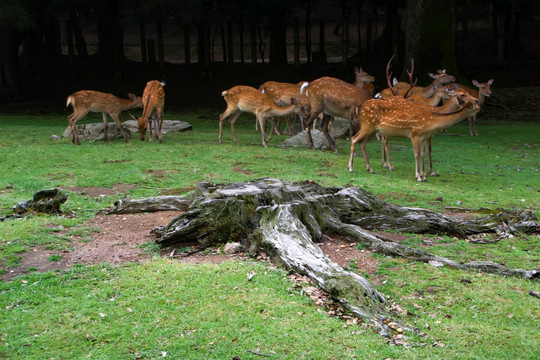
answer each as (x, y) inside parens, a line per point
(119, 239)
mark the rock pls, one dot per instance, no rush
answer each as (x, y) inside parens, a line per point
(339, 130)
(94, 131)
(232, 248)
(169, 126)
(300, 140)
(56, 137)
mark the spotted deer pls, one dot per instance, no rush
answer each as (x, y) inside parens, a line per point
(484, 90)
(332, 97)
(282, 93)
(439, 78)
(86, 101)
(248, 99)
(399, 117)
(152, 117)
(364, 81)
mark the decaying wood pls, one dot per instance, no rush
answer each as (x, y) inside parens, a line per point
(43, 201)
(286, 220)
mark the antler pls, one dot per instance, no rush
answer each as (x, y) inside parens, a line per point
(409, 91)
(388, 75)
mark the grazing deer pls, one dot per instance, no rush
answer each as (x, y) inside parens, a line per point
(400, 117)
(484, 90)
(154, 101)
(248, 99)
(282, 93)
(332, 97)
(364, 81)
(86, 101)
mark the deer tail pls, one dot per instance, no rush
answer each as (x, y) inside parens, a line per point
(304, 85)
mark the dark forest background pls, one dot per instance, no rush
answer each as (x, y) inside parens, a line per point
(51, 48)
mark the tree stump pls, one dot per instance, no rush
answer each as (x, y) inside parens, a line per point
(286, 220)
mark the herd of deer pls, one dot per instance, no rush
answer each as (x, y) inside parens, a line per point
(415, 114)
(402, 110)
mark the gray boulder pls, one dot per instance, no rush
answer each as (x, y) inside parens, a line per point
(338, 130)
(94, 131)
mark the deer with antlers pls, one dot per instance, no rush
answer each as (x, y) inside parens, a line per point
(152, 117)
(332, 97)
(248, 99)
(86, 101)
(400, 117)
(419, 92)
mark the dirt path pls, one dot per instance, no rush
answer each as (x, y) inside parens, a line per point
(119, 238)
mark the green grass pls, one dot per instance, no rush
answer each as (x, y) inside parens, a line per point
(212, 311)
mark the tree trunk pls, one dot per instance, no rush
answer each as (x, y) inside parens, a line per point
(10, 84)
(285, 220)
(429, 37)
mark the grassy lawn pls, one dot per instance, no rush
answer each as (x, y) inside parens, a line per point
(163, 309)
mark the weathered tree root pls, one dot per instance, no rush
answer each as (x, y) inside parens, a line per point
(43, 201)
(287, 219)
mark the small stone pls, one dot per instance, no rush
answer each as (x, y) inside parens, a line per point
(232, 248)
(55, 137)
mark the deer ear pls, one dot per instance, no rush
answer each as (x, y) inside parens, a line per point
(475, 83)
(431, 75)
(356, 70)
(490, 82)
(131, 96)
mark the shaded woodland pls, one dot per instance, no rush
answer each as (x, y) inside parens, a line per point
(117, 46)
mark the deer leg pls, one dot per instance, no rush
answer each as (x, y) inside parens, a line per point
(288, 120)
(232, 119)
(73, 118)
(159, 125)
(307, 125)
(228, 112)
(417, 148)
(105, 126)
(470, 125)
(428, 144)
(326, 120)
(119, 125)
(363, 138)
(474, 124)
(386, 153)
(275, 127)
(151, 128)
(262, 125)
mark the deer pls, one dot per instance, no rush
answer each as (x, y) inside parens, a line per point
(154, 102)
(364, 81)
(400, 117)
(484, 90)
(453, 101)
(282, 93)
(439, 78)
(85, 101)
(243, 98)
(332, 97)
